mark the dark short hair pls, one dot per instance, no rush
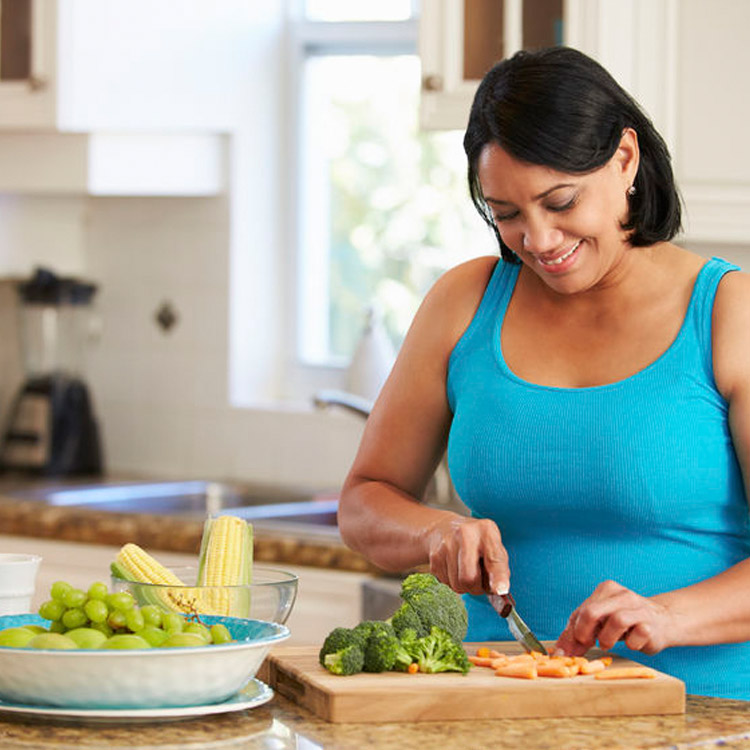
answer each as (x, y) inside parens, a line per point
(561, 109)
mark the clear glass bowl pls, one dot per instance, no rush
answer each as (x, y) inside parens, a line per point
(270, 597)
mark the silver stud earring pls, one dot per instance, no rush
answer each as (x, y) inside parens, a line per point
(631, 191)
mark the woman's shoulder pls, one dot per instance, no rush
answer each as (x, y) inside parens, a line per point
(731, 332)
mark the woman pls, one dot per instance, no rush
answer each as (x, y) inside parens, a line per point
(593, 390)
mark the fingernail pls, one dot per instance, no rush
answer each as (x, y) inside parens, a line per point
(502, 589)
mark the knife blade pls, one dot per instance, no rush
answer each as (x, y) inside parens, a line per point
(505, 606)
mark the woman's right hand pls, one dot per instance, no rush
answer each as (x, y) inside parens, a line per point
(468, 555)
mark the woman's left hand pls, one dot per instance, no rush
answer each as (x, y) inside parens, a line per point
(614, 613)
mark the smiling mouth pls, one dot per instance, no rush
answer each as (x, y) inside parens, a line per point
(557, 261)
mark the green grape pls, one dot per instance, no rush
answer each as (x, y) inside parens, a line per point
(153, 635)
(134, 619)
(57, 627)
(200, 629)
(102, 627)
(16, 637)
(126, 640)
(86, 637)
(74, 598)
(51, 609)
(58, 590)
(120, 600)
(152, 615)
(173, 622)
(183, 640)
(51, 640)
(74, 617)
(98, 591)
(220, 634)
(116, 619)
(96, 610)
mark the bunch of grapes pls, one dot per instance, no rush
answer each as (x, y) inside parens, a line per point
(122, 622)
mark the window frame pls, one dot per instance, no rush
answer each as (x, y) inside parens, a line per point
(307, 38)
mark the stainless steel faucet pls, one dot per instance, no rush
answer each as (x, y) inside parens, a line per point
(440, 491)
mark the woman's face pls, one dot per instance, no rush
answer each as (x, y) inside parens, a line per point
(564, 227)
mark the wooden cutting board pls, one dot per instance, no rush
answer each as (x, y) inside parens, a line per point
(294, 672)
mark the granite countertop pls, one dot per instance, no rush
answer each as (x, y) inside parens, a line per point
(274, 542)
(279, 724)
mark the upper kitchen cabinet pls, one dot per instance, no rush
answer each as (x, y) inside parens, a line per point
(113, 65)
(460, 40)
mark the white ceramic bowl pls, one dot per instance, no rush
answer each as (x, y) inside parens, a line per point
(138, 678)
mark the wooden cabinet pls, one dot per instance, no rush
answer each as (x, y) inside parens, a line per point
(123, 97)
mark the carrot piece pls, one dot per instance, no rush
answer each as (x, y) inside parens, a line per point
(593, 666)
(524, 670)
(625, 673)
(501, 661)
(483, 651)
(413, 668)
(554, 668)
(481, 661)
(606, 659)
(539, 656)
(521, 658)
(495, 654)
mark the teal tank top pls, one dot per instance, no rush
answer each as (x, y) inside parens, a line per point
(635, 481)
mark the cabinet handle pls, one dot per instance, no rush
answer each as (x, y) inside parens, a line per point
(36, 83)
(432, 83)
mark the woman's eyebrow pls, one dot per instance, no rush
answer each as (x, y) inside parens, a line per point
(541, 195)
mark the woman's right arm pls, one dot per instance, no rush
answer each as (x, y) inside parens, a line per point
(404, 438)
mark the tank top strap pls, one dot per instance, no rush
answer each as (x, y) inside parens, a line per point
(702, 304)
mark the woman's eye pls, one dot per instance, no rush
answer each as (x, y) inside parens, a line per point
(558, 208)
(506, 217)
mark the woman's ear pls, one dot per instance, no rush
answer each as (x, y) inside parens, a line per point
(627, 156)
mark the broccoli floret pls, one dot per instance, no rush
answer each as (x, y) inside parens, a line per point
(368, 628)
(384, 652)
(439, 652)
(348, 660)
(339, 639)
(427, 604)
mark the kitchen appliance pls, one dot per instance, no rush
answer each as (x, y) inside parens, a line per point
(51, 428)
(295, 673)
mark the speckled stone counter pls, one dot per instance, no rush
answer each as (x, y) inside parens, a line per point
(278, 543)
(279, 725)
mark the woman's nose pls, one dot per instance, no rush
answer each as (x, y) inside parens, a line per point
(541, 237)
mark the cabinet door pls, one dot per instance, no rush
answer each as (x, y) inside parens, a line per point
(27, 52)
(460, 40)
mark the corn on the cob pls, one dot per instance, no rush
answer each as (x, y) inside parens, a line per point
(135, 564)
(226, 559)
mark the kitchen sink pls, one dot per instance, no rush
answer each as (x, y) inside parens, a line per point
(259, 504)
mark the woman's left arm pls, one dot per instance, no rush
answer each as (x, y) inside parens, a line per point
(716, 610)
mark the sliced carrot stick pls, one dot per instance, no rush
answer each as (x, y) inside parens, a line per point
(413, 668)
(483, 651)
(521, 658)
(501, 661)
(625, 673)
(524, 670)
(481, 661)
(539, 656)
(495, 654)
(554, 668)
(592, 667)
(606, 659)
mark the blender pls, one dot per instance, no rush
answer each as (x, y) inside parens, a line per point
(52, 429)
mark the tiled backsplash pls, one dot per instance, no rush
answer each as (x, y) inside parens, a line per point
(162, 397)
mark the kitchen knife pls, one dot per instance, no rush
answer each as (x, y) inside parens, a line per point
(505, 606)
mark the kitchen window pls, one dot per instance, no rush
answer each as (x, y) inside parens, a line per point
(382, 209)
